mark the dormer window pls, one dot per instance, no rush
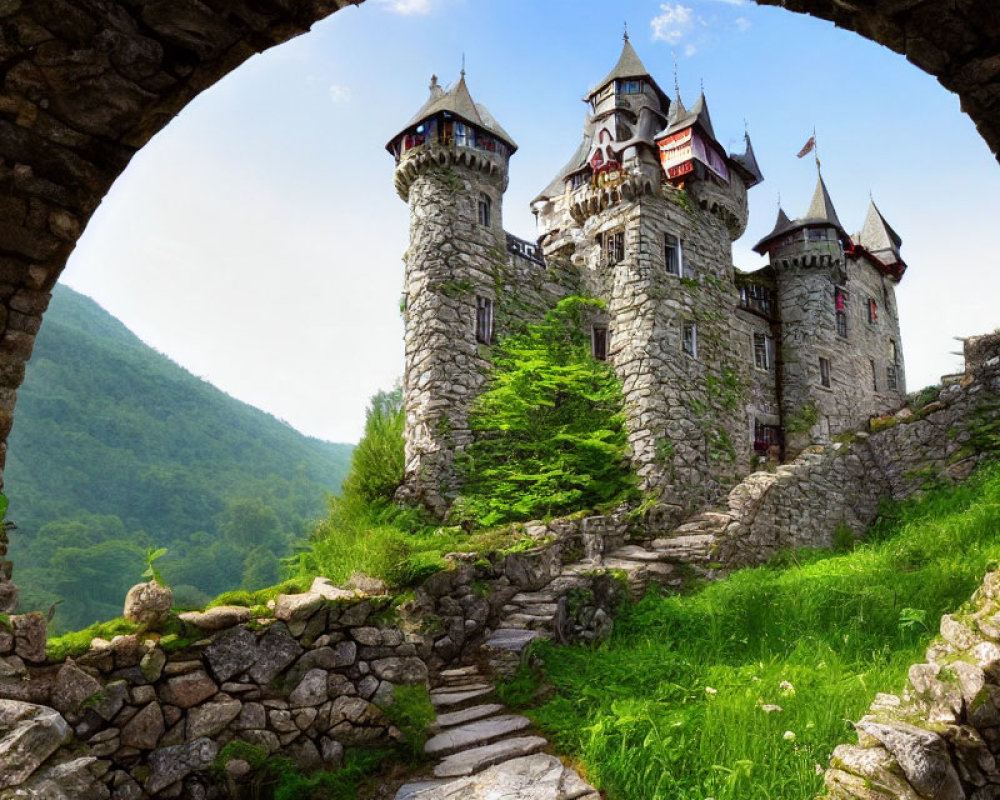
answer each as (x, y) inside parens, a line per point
(485, 208)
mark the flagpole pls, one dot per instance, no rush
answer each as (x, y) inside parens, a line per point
(816, 151)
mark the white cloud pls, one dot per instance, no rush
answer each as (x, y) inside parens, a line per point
(733, 2)
(340, 94)
(690, 50)
(742, 23)
(673, 23)
(409, 8)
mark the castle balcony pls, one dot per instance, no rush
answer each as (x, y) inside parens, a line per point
(420, 157)
(524, 249)
(620, 186)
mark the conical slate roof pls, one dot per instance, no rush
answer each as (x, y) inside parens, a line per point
(781, 226)
(629, 66)
(877, 235)
(457, 101)
(821, 208)
(747, 162)
(558, 184)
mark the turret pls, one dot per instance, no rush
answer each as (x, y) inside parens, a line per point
(840, 348)
(451, 168)
(692, 158)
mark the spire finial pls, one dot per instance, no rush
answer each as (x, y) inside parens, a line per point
(677, 82)
(703, 86)
(434, 83)
(463, 65)
(625, 37)
(819, 170)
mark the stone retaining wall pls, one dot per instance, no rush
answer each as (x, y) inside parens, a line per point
(803, 503)
(147, 715)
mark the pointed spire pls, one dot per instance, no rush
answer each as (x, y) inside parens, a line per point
(821, 208)
(877, 236)
(629, 66)
(700, 111)
(747, 162)
(781, 225)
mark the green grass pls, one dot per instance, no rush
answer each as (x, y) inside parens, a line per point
(78, 642)
(671, 706)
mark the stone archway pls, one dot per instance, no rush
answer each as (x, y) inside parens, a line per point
(86, 83)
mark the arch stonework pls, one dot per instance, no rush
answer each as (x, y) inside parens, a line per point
(86, 83)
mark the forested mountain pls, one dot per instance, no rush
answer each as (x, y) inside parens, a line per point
(116, 448)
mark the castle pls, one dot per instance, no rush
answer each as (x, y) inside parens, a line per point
(720, 368)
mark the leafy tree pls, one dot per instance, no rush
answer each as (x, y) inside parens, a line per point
(378, 462)
(550, 432)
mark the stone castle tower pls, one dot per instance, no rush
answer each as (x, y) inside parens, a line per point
(720, 368)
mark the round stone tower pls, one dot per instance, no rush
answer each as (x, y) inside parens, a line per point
(451, 168)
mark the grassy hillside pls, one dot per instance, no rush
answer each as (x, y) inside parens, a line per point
(743, 689)
(116, 448)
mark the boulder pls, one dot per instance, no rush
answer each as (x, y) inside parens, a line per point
(29, 734)
(148, 604)
(72, 687)
(218, 618)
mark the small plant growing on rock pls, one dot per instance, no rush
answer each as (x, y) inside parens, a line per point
(151, 572)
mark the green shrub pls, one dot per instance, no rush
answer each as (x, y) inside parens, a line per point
(550, 432)
(378, 462)
(411, 711)
(78, 642)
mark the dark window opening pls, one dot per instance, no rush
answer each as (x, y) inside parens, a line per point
(756, 297)
(485, 209)
(614, 247)
(484, 320)
(872, 311)
(766, 438)
(599, 342)
(891, 379)
(874, 374)
(840, 305)
(672, 254)
(629, 87)
(689, 339)
(763, 351)
(824, 372)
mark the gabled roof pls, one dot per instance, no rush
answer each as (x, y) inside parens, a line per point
(457, 101)
(877, 235)
(680, 118)
(746, 163)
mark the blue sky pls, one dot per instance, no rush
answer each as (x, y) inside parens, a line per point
(257, 240)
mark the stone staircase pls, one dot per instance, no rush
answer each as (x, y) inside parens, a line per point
(482, 750)
(667, 561)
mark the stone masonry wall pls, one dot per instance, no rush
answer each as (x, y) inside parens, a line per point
(801, 504)
(683, 412)
(808, 276)
(146, 715)
(452, 261)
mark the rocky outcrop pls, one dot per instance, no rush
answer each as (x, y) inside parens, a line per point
(940, 739)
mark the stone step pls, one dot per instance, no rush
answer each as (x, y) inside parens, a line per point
(692, 547)
(469, 762)
(523, 598)
(531, 609)
(412, 790)
(459, 673)
(512, 639)
(452, 718)
(462, 687)
(475, 734)
(633, 552)
(528, 621)
(455, 701)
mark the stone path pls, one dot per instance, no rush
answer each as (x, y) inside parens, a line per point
(485, 752)
(665, 561)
